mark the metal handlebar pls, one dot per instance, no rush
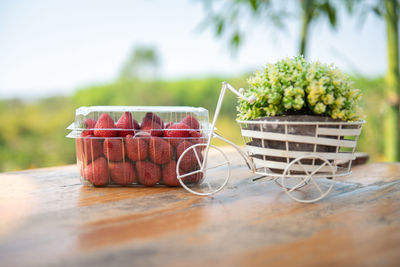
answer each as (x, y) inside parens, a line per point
(239, 93)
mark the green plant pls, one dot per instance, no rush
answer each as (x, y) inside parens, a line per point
(229, 18)
(295, 86)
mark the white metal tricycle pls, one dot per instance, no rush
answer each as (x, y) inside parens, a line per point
(302, 157)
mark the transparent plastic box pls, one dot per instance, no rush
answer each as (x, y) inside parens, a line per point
(137, 145)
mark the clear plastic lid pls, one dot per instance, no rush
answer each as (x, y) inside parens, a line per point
(137, 118)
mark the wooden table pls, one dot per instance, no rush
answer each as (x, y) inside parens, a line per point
(49, 218)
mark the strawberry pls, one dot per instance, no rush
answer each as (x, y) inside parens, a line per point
(189, 161)
(197, 137)
(105, 122)
(174, 141)
(127, 122)
(191, 179)
(148, 173)
(88, 149)
(144, 135)
(90, 124)
(87, 133)
(152, 127)
(176, 133)
(169, 174)
(122, 173)
(191, 121)
(177, 130)
(155, 119)
(136, 148)
(97, 172)
(113, 149)
(160, 151)
(168, 124)
(170, 178)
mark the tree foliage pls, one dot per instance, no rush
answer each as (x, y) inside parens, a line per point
(142, 63)
(229, 19)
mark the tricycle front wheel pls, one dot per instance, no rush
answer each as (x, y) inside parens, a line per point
(208, 174)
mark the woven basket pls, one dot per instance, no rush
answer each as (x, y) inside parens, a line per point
(273, 142)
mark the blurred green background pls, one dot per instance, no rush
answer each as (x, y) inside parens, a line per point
(32, 131)
(33, 134)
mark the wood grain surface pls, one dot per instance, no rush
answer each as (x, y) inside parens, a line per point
(48, 218)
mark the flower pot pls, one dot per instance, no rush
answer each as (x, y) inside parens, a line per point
(273, 142)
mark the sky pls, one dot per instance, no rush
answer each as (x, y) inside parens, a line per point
(52, 48)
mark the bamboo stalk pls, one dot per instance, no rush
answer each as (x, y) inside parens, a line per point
(391, 119)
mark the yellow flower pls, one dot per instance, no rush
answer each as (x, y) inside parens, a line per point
(355, 93)
(328, 99)
(313, 98)
(337, 114)
(340, 101)
(319, 108)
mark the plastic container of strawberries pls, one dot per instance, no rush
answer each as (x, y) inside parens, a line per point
(137, 145)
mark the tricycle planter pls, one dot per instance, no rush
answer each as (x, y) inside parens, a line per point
(294, 151)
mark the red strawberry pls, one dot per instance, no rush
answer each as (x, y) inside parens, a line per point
(87, 133)
(177, 130)
(176, 133)
(90, 124)
(191, 121)
(113, 149)
(105, 122)
(148, 173)
(97, 172)
(174, 141)
(197, 138)
(155, 118)
(189, 161)
(160, 151)
(170, 178)
(191, 179)
(145, 136)
(122, 173)
(152, 127)
(88, 149)
(168, 124)
(136, 148)
(169, 174)
(127, 122)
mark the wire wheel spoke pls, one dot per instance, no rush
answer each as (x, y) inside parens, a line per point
(303, 181)
(315, 171)
(197, 156)
(304, 168)
(316, 185)
(188, 174)
(216, 166)
(297, 186)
